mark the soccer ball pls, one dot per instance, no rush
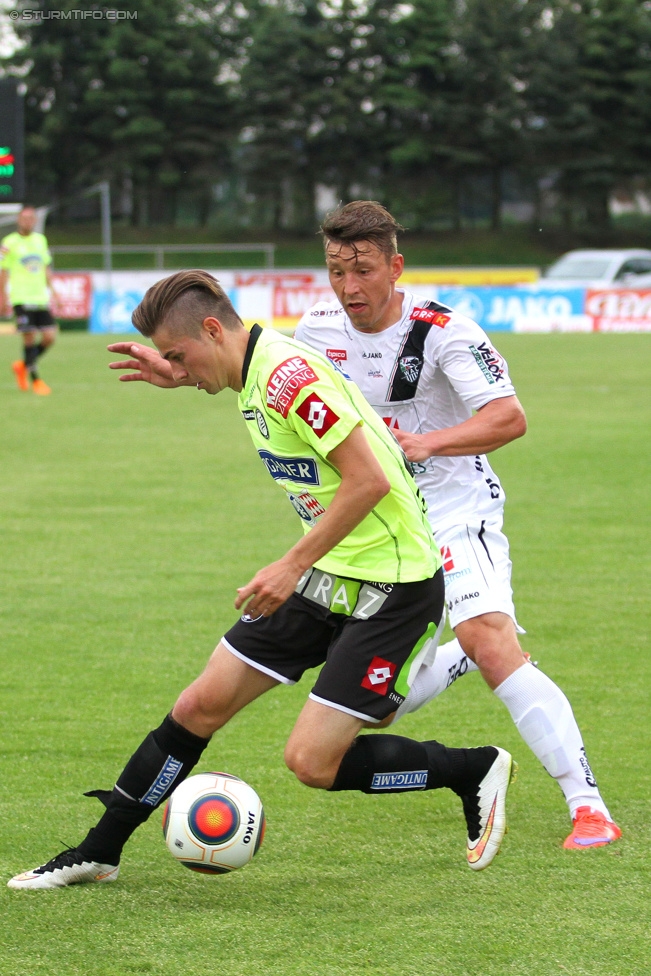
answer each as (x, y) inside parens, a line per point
(213, 823)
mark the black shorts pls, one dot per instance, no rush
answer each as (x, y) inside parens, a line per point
(372, 637)
(28, 318)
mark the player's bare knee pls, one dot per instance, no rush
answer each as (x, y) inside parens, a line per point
(194, 712)
(308, 768)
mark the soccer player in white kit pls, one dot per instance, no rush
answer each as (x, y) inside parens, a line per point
(443, 389)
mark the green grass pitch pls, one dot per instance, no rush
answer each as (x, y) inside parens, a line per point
(129, 515)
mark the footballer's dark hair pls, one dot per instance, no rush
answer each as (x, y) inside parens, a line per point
(362, 220)
(181, 303)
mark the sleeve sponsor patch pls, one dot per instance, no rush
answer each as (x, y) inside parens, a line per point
(317, 414)
(430, 315)
(337, 355)
(285, 383)
(489, 361)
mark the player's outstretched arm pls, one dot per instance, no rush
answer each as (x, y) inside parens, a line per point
(495, 424)
(149, 365)
(363, 484)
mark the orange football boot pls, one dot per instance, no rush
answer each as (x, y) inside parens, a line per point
(20, 372)
(41, 388)
(591, 829)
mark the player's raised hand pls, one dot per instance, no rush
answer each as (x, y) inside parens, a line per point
(149, 365)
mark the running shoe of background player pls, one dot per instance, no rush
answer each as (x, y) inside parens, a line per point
(67, 868)
(20, 372)
(591, 829)
(41, 388)
(485, 809)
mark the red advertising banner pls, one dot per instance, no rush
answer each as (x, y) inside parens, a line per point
(619, 310)
(287, 279)
(290, 303)
(71, 295)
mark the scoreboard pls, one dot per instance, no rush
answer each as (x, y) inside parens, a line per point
(12, 137)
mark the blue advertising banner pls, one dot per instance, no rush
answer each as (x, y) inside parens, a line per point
(111, 310)
(520, 308)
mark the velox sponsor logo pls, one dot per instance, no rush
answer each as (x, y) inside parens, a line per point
(490, 363)
(317, 415)
(161, 785)
(337, 355)
(413, 779)
(619, 310)
(378, 676)
(307, 506)
(285, 383)
(262, 423)
(303, 470)
(429, 315)
(410, 367)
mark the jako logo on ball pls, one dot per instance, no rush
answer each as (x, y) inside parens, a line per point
(213, 823)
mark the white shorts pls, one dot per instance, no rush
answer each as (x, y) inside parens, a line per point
(477, 571)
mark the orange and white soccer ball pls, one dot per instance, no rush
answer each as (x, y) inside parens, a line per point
(213, 823)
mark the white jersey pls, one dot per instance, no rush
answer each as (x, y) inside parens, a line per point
(427, 372)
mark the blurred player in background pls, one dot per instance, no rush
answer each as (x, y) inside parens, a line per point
(25, 262)
(445, 392)
(361, 592)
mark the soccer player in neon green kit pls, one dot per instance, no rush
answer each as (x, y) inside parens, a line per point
(25, 261)
(361, 592)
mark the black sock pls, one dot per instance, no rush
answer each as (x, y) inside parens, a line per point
(394, 764)
(158, 765)
(30, 357)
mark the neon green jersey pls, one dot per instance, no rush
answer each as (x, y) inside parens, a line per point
(26, 258)
(299, 407)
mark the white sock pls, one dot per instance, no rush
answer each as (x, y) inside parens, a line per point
(544, 719)
(449, 664)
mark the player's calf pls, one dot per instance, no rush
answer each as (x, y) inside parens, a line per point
(480, 777)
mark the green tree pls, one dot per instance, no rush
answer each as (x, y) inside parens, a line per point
(590, 100)
(133, 100)
(307, 110)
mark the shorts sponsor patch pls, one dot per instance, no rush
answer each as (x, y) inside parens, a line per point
(451, 565)
(430, 315)
(412, 779)
(458, 600)
(286, 381)
(379, 675)
(317, 414)
(303, 470)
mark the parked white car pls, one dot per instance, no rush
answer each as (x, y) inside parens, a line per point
(616, 268)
